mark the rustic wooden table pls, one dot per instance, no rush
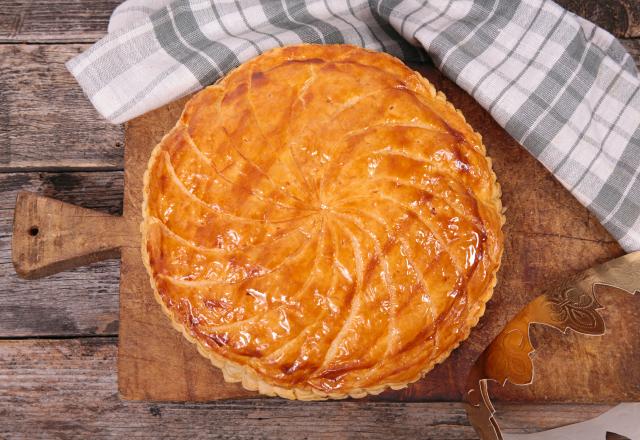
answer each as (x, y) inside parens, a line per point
(58, 335)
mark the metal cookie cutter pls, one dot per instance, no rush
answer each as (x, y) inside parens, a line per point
(573, 306)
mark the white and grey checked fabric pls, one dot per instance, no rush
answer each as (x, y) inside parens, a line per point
(564, 88)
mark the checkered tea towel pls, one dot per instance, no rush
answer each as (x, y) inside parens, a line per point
(564, 88)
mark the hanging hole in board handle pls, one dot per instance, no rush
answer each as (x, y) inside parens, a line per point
(33, 231)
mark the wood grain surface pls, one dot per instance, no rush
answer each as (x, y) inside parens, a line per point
(55, 20)
(82, 301)
(66, 369)
(46, 122)
(66, 388)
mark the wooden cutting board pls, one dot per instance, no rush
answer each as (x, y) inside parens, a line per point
(549, 236)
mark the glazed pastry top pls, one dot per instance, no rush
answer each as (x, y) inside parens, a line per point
(323, 221)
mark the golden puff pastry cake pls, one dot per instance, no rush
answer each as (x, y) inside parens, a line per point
(322, 224)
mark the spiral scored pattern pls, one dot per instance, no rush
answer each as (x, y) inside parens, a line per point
(321, 223)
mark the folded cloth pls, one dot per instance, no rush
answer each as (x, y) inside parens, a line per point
(561, 86)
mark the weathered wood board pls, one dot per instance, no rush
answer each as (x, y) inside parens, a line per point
(549, 236)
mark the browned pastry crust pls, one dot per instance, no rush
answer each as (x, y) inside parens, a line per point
(321, 224)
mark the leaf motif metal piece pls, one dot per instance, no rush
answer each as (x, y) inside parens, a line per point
(573, 308)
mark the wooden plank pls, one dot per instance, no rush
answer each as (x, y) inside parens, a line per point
(78, 378)
(82, 301)
(620, 17)
(55, 20)
(46, 122)
(86, 21)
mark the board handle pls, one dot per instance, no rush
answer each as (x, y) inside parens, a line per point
(50, 236)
